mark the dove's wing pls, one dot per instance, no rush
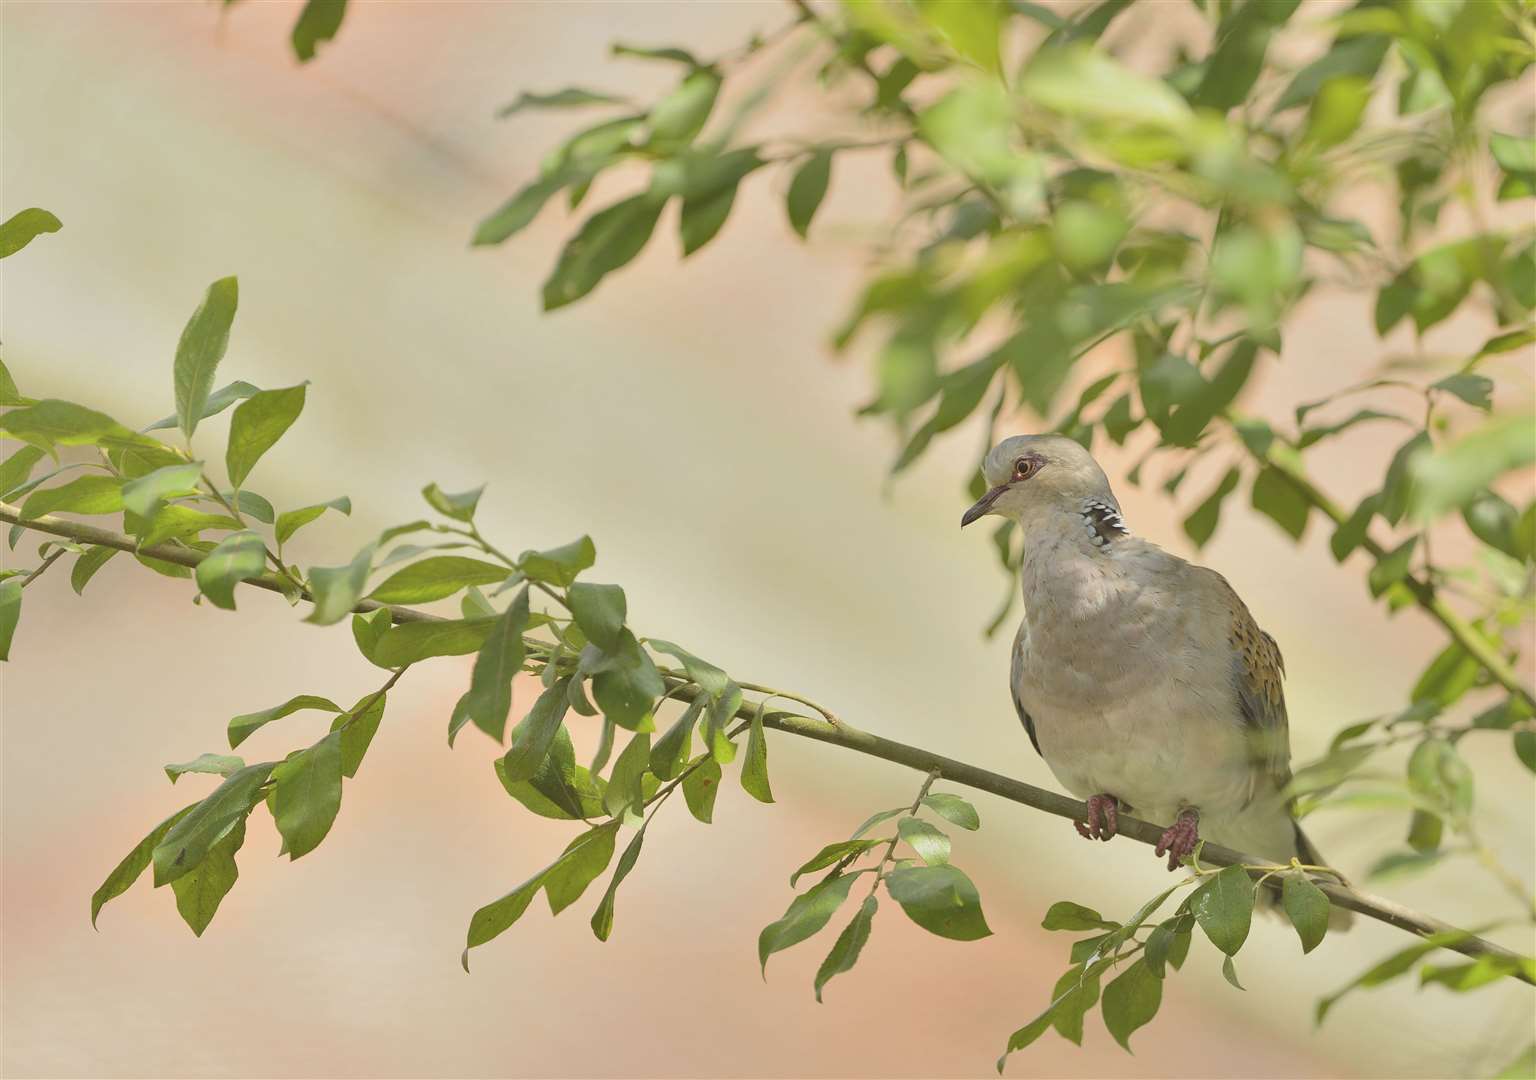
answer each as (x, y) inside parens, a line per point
(1014, 680)
(1258, 669)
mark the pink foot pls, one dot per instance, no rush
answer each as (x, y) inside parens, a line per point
(1178, 842)
(1103, 818)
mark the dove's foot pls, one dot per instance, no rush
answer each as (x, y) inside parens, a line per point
(1179, 841)
(1103, 818)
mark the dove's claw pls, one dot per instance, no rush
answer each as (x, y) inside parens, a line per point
(1103, 818)
(1179, 841)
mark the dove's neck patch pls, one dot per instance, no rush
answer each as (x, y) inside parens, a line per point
(1103, 522)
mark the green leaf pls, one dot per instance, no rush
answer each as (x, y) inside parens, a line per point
(807, 190)
(1200, 526)
(931, 845)
(570, 97)
(495, 917)
(681, 115)
(308, 795)
(242, 727)
(83, 495)
(497, 663)
(1278, 499)
(519, 211)
(125, 873)
(953, 809)
(239, 557)
(703, 217)
(202, 345)
(144, 495)
(559, 566)
(413, 641)
(293, 520)
(1392, 567)
(217, 402)
(20, 229)
(1480, 972)
(17, 469)
(337, 589)
(700, 788)
(711, 679)
(602, 918)
(1307, 907)
(1437, 772)
(460, 507)
(676, 746)
(1078, 80)
(625, 784)
(1073, 995)
(1404, 864)
(86, 566)
(1336, 111)
(849, 944)
(535, 734)
(10, 614)
(1475, 390)
(1525, 748)
(190, 838)
(176, 522)
(642, 52)
(1492, 519)
(358, 727)
(1065, 915)
(875, 819)
(754, 767)
(1223, 907)
(318, 22)
(1131, 1000)
(1394, 966)
(940, 899)
(200, 891)
(1515, 154)
(583, 860)
(1450, 675)
(50, 422)
(1352, 56)
(561, 789)
(258, 423)
(600, 611)
(832, 854)
(627, 685)
(1229, 972)
(219, 764)
(807, 914)
(606, 241)
(435, 578)
(1451, 476)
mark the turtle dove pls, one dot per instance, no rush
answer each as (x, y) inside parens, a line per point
(1142, 679)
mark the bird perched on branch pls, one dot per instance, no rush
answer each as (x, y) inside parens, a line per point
(1142, 679)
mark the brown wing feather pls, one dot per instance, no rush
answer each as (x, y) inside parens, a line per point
(1259, 672)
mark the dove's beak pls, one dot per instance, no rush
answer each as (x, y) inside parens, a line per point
(982, 505)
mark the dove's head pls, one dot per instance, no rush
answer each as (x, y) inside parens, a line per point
(1034, 477)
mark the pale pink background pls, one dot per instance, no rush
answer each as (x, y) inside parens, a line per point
(687, 416)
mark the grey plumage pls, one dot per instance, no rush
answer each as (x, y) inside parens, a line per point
(1135, 673)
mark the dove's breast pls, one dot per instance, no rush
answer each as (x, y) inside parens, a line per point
(1124, 669)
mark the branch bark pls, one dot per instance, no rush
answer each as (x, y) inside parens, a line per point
(839, 733)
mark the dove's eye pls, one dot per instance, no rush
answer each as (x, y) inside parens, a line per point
(1025, 467)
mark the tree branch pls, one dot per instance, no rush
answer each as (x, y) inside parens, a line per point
(838, 733)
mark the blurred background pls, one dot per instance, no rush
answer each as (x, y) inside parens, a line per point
(690, 419)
